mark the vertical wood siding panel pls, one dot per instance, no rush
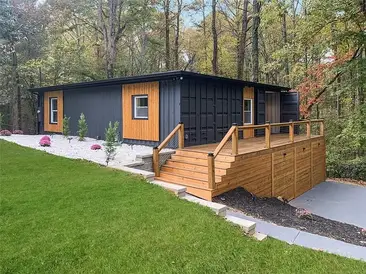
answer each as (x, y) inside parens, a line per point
(141, 129)
(46, 110)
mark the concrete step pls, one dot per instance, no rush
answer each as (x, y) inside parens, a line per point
(259, 236)
(247, 226)
(176, 189)
(217, 208)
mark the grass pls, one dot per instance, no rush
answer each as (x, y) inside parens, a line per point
(67, 216)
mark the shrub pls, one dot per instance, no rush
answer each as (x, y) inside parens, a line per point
(46, 138)
(66, 126)
(111, 134)
(303, 213)
(5, 132)
(95, 147)
(18, 131)
(83, 127)
(354, 169)
(45, 143)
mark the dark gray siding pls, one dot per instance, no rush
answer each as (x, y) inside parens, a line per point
(169, 111)
(99, 104)
(209, 108)
(260, 110)
(289, 109)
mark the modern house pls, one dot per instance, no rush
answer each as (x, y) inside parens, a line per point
(210, 114)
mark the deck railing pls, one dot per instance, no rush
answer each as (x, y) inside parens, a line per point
(233, 134)
(156, 161)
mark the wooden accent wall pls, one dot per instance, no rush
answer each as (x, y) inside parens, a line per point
(248, 93)
(141, 129)
(318, 162)
(46, 110)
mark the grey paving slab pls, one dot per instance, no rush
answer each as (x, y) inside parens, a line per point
(285, 234)
(305, 239)
(341, 202)
(330, 245)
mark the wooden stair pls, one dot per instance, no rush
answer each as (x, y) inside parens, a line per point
(189, 168)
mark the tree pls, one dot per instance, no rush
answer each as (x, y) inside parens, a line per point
(242, 40)
(215, 69)
(255, 38)
(167, 33)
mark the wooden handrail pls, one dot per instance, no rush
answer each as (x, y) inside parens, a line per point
(224, 140)
(180, 129)
(170, 136)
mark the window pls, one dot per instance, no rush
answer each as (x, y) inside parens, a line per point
(248, 111)
(53, 110)
(140, 107)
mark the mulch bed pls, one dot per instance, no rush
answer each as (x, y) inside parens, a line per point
(281, 213)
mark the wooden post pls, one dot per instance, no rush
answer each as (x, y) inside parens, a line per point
(268, 135)
(211, 170)
(235, 140)
(321, 128)
(291, 129)
(308, 129)
(156, 162)
(181, 136)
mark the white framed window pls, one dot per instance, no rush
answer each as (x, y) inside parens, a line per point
(248, 111)
(53, 110)
(140, 107)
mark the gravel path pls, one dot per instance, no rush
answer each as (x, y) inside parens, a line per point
(126, 154)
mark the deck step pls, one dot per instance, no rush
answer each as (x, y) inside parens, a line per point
(188, 173)
(203, 155)
(247, 226)
(217, 208)
(176, 189)
(193, 167)
(198, 161)
(181, 180)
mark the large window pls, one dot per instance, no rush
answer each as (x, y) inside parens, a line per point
(248, 111)
(53, 110)
(140, 107)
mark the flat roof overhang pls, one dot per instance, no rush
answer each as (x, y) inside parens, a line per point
(158, 77)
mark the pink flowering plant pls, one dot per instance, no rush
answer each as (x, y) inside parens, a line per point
(18, 131)
(45, 141)
(5, 132)
(363, 231)
(95, 147)
(303, 213)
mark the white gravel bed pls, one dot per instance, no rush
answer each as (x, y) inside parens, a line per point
(126, 154)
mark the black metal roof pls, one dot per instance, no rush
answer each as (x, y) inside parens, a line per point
(156, 77)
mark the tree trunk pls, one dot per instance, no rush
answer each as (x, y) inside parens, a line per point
(214, 38)
(242, 41)
(167, 34)
(17, 108)
(177, 32)
(255, 36)
(284, 40)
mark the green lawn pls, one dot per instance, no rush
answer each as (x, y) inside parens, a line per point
(67, 216)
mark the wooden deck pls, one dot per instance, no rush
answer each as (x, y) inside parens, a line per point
(285, 165)
(251, 144)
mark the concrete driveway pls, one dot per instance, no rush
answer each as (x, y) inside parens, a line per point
(341, 202)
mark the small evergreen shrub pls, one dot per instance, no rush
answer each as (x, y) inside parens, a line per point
(83, 127)
(111, 135)
(66, 126)
(5, 132)
(18, 131)
(95, 147)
